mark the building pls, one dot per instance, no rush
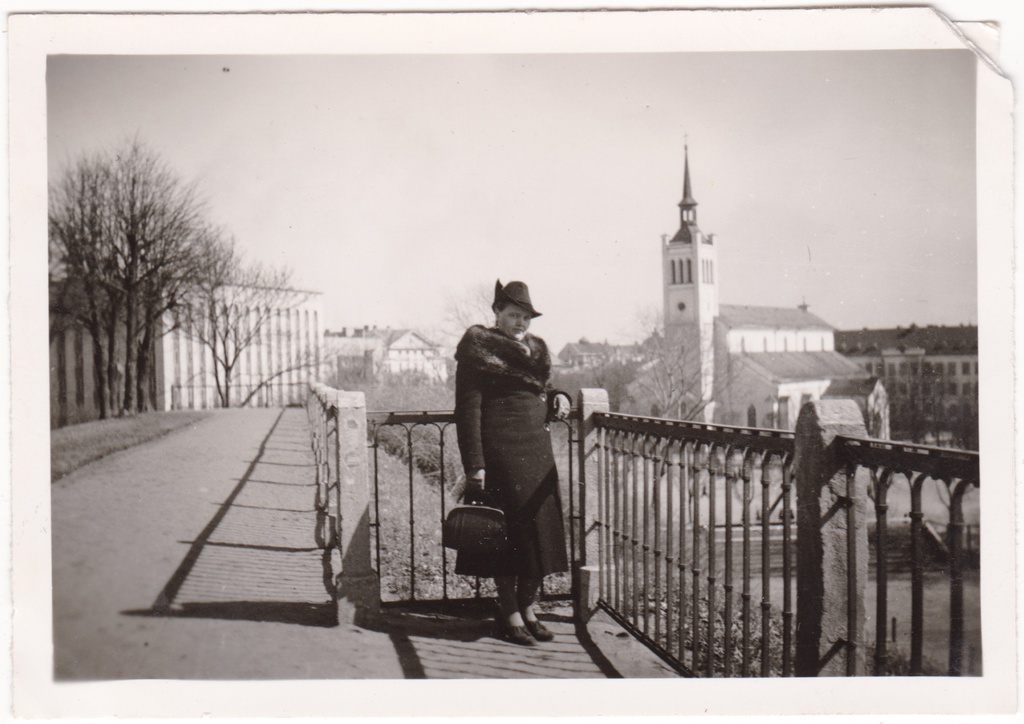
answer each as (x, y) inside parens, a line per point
(931, 374)
(273, 350)
(746, 365)
(583, 354)
(367, 354)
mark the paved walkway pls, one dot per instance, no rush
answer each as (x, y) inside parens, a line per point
(193, 557)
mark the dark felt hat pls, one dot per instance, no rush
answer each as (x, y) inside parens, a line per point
(515, 292)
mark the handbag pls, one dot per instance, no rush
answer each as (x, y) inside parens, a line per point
(475, 528)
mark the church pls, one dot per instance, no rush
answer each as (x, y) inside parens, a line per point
(749, 365)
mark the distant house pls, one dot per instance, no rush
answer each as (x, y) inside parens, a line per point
(368, 353)
(930, 373)
(585, 353)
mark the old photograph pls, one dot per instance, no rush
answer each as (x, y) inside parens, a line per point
(551, 362)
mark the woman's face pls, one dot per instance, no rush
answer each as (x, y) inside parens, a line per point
(513, 320)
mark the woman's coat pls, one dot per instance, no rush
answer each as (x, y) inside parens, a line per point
(503, 401)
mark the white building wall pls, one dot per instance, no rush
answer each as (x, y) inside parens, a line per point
(751, 340)
(285, 350)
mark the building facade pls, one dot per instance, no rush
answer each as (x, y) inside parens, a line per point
(368, 354)
(931, 374)
(756, 366)
(280, 352)
(585, 354)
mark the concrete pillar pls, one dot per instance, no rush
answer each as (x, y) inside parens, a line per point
(832, 575)
(357, 584)
(587, 573)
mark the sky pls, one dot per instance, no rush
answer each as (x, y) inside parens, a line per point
(393, 184)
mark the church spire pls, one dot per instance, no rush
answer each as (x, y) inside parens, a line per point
(688, 201)
(687, 207)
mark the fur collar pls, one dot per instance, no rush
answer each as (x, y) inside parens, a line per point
(487, 350)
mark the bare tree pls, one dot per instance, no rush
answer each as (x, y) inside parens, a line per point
(231, 310)
(471, 307)
(669, 381)
(123, 230)
(80, 262)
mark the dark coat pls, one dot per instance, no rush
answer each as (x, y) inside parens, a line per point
(503, 401)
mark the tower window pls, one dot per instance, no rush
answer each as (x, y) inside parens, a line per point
(672, 263)
(689, 272)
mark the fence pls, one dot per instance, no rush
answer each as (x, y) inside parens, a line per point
(416, 479)
(693, 536)
(690, 526)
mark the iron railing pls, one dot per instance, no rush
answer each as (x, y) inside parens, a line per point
(322, 414)
(668, 494)
(957, 473)
(693, 530)
(417, 477)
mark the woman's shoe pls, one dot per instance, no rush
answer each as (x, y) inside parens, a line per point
(516, 634)
(539, 631)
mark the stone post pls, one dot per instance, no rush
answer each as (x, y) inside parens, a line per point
(357, 586)
(832, 574)
(587, 575)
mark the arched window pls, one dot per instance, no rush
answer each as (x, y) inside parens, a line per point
(711, 271)
(689, 272)
(672, 262)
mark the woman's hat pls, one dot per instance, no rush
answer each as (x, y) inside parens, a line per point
(515, 292)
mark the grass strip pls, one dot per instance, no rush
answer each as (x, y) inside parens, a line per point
(77, 445)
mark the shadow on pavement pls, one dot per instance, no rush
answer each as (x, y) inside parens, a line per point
(256, 559)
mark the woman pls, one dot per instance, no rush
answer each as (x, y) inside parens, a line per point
(503, 401)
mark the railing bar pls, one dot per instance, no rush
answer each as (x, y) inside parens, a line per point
(602, 513)
(444, 551)
(695, 556)
(956, 577)
(730, 480)
(658, 553)
(852, 620)
(711, 472)
(766, 480)
(748, 468)
(412, 518)
(787, 571)
(916, 574)
(881, 487)
(575, 487)
(684, 491)
(635, 542)
(670, 573)
(645, 535)
(617, 520)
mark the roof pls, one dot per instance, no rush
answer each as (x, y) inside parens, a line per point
(796, 366)
(735, 315)
(852, 388)
(585, 347)
(932, 339)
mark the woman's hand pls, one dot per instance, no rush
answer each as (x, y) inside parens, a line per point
(562, 407)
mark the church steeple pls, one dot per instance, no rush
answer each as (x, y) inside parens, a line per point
(688, 230)
(688, 206)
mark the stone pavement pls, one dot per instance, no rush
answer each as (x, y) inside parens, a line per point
(193, 557)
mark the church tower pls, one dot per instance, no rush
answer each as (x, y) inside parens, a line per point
(690, 284)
